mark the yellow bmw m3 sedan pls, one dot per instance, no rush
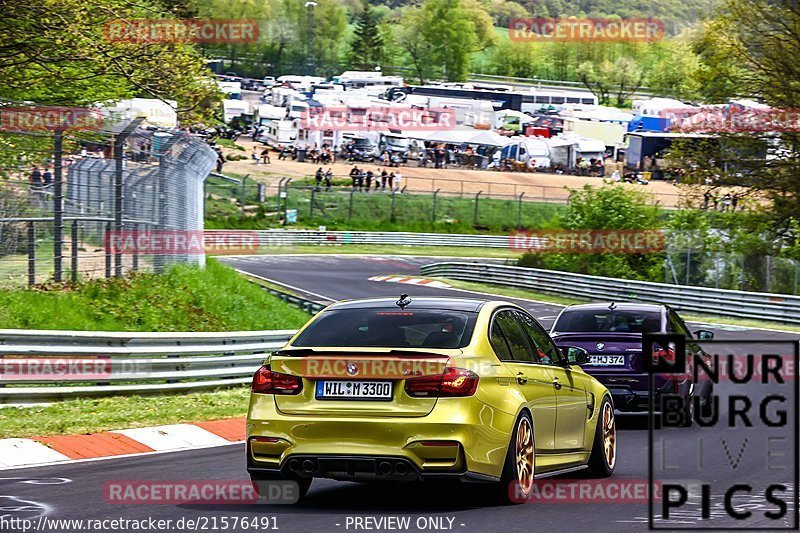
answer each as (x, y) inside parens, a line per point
(427, 388)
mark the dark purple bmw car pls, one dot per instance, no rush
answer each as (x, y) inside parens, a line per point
(612, 335)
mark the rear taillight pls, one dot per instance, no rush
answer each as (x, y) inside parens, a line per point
(454, 382)
(267, 382)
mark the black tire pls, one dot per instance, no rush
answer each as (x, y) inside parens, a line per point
(514, 489)
(262, 481)
(601, 463)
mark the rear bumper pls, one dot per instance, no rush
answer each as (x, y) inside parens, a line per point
(360, 468)
(459, 438)
(631, 392)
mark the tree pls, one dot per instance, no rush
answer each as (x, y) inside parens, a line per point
(367, 47)
(619, 79)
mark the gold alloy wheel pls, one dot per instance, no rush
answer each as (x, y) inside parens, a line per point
(524, 455)
(609, 435)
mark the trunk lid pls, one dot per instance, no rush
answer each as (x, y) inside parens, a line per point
(355, 367)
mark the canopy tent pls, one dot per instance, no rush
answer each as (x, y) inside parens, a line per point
(481, 137)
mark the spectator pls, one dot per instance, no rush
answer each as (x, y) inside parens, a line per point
(265, 156)
(370, 175)
(220, 159)
(734, 201)
(398, 181)
(283, 153)
(318, 177)
(715, 199)
(328, 176)
(615, 175)
(36, 178)
(354, 172)
(254, 155)
(706, 199)
(384, 178)
(47, 177)
(726, 201)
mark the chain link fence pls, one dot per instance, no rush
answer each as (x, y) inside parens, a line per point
(99, 204)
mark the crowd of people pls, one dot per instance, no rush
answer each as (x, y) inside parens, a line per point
(727, 203)
(364, 180)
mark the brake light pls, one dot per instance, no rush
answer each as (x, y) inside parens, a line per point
(267, 382)
(453, 383)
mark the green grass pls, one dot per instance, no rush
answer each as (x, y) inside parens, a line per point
(71, 417)
(185, 298)
(375, 212)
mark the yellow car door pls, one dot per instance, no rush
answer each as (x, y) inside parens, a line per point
(569, 387)
(512, 347)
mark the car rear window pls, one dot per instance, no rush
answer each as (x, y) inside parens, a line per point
(357, 328)
(608, 321)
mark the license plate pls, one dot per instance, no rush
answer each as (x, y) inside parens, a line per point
(607, 360)
(354, 390)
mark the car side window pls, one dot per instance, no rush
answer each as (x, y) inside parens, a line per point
(546, 351)
(675, 324)
(517, 340)
(498, 341)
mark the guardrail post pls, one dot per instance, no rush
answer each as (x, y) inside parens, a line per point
(519, 209)
(433, 216)
(350, 209)
(32, 254)
(475, 215)
(74, 265)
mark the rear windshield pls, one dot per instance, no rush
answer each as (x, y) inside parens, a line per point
(605, 320)
(357, 328)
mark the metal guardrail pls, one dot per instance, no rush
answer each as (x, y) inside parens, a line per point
(34, 362)
(279, 237)
(706, 301)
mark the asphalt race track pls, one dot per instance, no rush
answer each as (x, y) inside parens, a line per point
(721, 458)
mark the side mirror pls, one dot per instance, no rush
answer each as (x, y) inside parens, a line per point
(704, 335)
(575, 355)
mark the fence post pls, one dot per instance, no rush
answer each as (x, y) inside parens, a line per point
(391, 212)
(244, 192)
(350, 208)
(32, 253)
(119, 187)
(435, 194)
(58, 205)
(311, 204)
(475, 215)
(108, 249)
(135, 251)
(519, 209)
(74, 265)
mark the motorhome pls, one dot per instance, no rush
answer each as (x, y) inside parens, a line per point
(530, 150)
(611, 133)
(235, 108)
(356, 79)
(155, 112)
(566, 150)
(232, 89)
(302, 83)
(277, 133)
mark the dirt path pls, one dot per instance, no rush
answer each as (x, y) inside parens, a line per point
(540, 186)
